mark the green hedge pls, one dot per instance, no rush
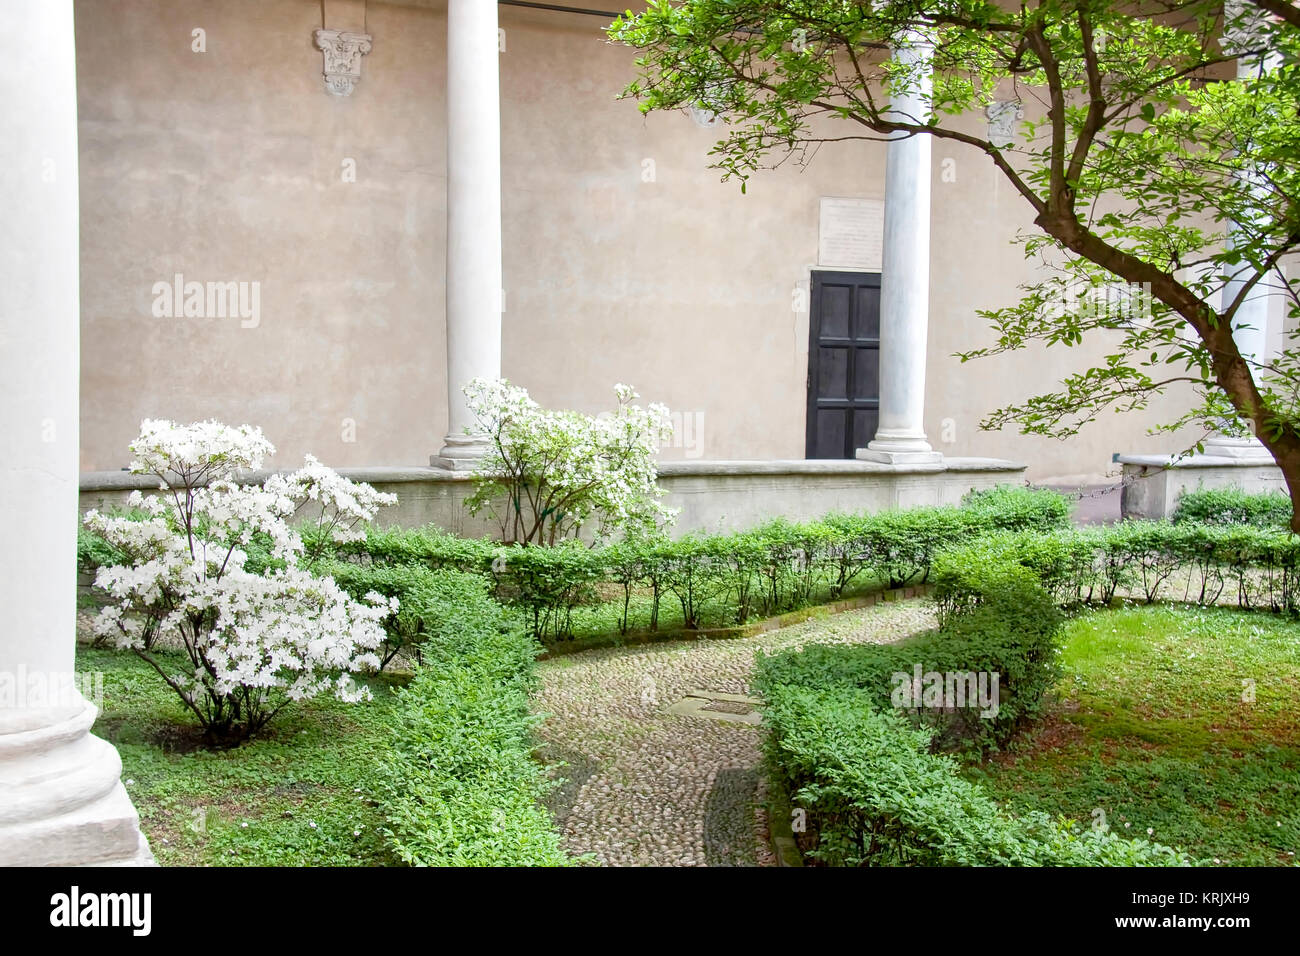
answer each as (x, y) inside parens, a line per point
(869, 765)
(1152, 560)
(1011, 634)
(876, 794)
(429, 546)
(715, 579)
(1270, 509)
(432, 605)
(458, 782)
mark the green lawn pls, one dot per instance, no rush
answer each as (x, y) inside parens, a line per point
(298, 795)
(1152, 730)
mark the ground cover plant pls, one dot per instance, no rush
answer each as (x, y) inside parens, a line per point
(1174, 722)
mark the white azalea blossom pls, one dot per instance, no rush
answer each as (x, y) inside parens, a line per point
(256, 638)
(559, 470)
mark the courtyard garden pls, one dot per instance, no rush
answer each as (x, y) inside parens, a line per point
(982, 684)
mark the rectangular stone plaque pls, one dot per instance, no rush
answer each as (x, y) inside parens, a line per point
(850, 233)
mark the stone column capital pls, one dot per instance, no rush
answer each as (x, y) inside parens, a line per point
(342, 52)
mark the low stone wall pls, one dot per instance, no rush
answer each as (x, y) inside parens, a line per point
(735, 495)
(1154, 483)
(710, 495)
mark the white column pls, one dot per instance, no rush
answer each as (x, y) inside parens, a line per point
(61, 797)
(1250, 322)
(473, 217)
(905, 276)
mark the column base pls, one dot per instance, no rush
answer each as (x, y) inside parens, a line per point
(62, 802)
(1242, 449)
(900, 451)
(453, 464)
(459, 454)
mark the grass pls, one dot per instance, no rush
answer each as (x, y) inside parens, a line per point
(298, 795)
(1179, 721)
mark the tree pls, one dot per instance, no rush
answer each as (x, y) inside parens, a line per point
(1153, 163)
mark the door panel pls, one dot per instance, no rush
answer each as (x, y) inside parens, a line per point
(843, 363)
(834, 381)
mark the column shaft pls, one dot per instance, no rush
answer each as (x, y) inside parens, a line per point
(61, 799)
(473, 217)
(1250, 322)
(905, 277)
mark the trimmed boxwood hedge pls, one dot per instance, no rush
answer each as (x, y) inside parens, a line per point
(1270, 509)
(1011, 633)
(714, 579)
(876, 794)
(1152, 560)
(776, 567)
(874, 779)
(458, 782)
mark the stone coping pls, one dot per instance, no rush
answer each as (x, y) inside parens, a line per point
(847, 466)
(1196, 461)
(126, 481)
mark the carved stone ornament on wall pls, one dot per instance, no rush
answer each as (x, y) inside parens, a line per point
(1003, 116)
(343, 53)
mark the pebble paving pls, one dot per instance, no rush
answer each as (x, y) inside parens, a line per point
(643, 787)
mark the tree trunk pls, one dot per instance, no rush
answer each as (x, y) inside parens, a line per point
(1231, 371)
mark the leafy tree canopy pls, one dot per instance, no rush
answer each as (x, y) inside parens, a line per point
(1159, 154)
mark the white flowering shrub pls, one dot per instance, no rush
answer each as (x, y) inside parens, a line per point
(558, 471)
(256, 639)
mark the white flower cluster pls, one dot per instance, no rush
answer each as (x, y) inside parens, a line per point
(341, 506)
(560, 469)
(196, 452)
(255, 637)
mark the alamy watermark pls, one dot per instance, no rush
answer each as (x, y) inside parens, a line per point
(951, 690)
(1120, 302)
(179, 299)
(688, 433)
(133, 911)
(49, 690)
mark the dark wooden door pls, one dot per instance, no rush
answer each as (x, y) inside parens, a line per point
(843, 363)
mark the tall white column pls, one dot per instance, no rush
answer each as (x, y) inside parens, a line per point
(905, 275)
(473, 217)
(1250, 322)
(61, 797)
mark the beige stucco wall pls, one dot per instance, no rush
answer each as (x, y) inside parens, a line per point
(226, 165)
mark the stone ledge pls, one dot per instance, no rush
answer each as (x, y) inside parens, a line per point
(383, 474)
(812, 466)
(1195, 461)
(126, 481)
(1153, 484)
